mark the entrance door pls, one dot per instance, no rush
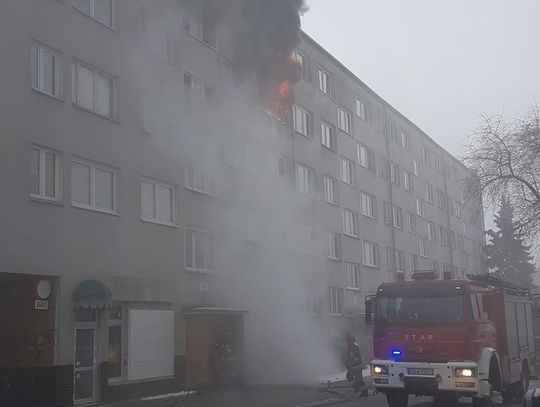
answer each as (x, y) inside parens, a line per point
(85, 365)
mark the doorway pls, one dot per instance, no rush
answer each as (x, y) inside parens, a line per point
(85, 357)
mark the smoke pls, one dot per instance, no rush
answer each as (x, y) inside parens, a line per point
(264, 263)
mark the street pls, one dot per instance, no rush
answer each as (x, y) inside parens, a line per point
(279, 396)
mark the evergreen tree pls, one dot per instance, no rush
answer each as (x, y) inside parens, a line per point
(508, 257)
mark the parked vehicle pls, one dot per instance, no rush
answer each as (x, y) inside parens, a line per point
(451, 338)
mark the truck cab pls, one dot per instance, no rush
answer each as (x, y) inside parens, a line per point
(451, 338)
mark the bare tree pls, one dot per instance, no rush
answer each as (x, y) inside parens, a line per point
(505, 153)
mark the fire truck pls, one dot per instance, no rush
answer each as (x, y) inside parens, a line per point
(450, 338)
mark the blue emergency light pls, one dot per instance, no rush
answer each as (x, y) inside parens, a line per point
(396, 352)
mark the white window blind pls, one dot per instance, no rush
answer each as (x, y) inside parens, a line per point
(93, 186)
(157, 202)
(80, 183)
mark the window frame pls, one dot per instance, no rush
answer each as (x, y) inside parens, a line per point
(350, 171)
(374, 252)
(346, 127)
(411, 220)
(361, 108)
(333, 182)
(304, 64)
(350, 221)
(41, 195)
(395, 177)
(369, 157)
(326, 86)
(193, 267)
(310, 180)
(408, 180)
(156, 183)
(75, 91)
(41, 49)
(336, 301)
(334, 239)
(332, 137)
(353, 276)
(92, 192)
(191, 171)
(92, 11)
(372, 199)
(306, 114)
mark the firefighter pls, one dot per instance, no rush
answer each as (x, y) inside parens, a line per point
(354, 365)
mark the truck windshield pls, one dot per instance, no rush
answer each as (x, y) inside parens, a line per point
(440, 309)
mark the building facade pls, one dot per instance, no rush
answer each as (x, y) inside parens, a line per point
(155, 220)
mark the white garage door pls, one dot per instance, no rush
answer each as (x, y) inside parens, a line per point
(150, 344)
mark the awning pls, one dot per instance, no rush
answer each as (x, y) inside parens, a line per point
(91, 294)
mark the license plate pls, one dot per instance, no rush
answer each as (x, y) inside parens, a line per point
(419, 371)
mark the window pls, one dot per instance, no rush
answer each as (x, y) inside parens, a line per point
(170, 47)
(198, 94)
(394, 173)
(420, 207)
(422, 246)
(452, 239)
(369, 205)
(417, 170)
(444, 235)
(330, 189)
(442, 202)
(392, 131)
(405, 139)
(390, 258)
(93, 186)
(336, 300)
(347, 171)
(408, 180)
(432, 234)
(302, 121)
(361, 109)
(434, 265)
(303, 63)
(199, 251)
(304, 179)
(460, 242)
(44, 173)
(353, 275)
(103, 11)
(328, 136)
(197, 178)
(344, 120)
(438, 163)
(426, 156)
(429, 193)
(383, 167)
(397, 217)
(365, 157)
(458, 209)
(325, 82)
(411, 220)
(370, 254)
(334, 245)
(414, 262)
(446, 271)
(400, 260)
(386, 212)
(45, 68)
(158, 202)
(115, 343)
(200, 25)
(350, 223)
(92, 89)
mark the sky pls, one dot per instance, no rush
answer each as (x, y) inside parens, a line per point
(441, 63)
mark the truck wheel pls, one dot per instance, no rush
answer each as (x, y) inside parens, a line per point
(397, 399)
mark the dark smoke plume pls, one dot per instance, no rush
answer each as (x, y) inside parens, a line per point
(265, 32)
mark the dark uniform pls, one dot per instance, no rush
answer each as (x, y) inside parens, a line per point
(353, 363)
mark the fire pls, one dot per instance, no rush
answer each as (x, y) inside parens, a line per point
(281, 88)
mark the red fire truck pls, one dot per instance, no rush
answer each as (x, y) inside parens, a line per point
(451, 338)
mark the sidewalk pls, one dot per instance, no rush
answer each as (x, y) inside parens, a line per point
(330, 391)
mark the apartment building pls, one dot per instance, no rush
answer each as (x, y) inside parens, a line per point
(149, 224)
